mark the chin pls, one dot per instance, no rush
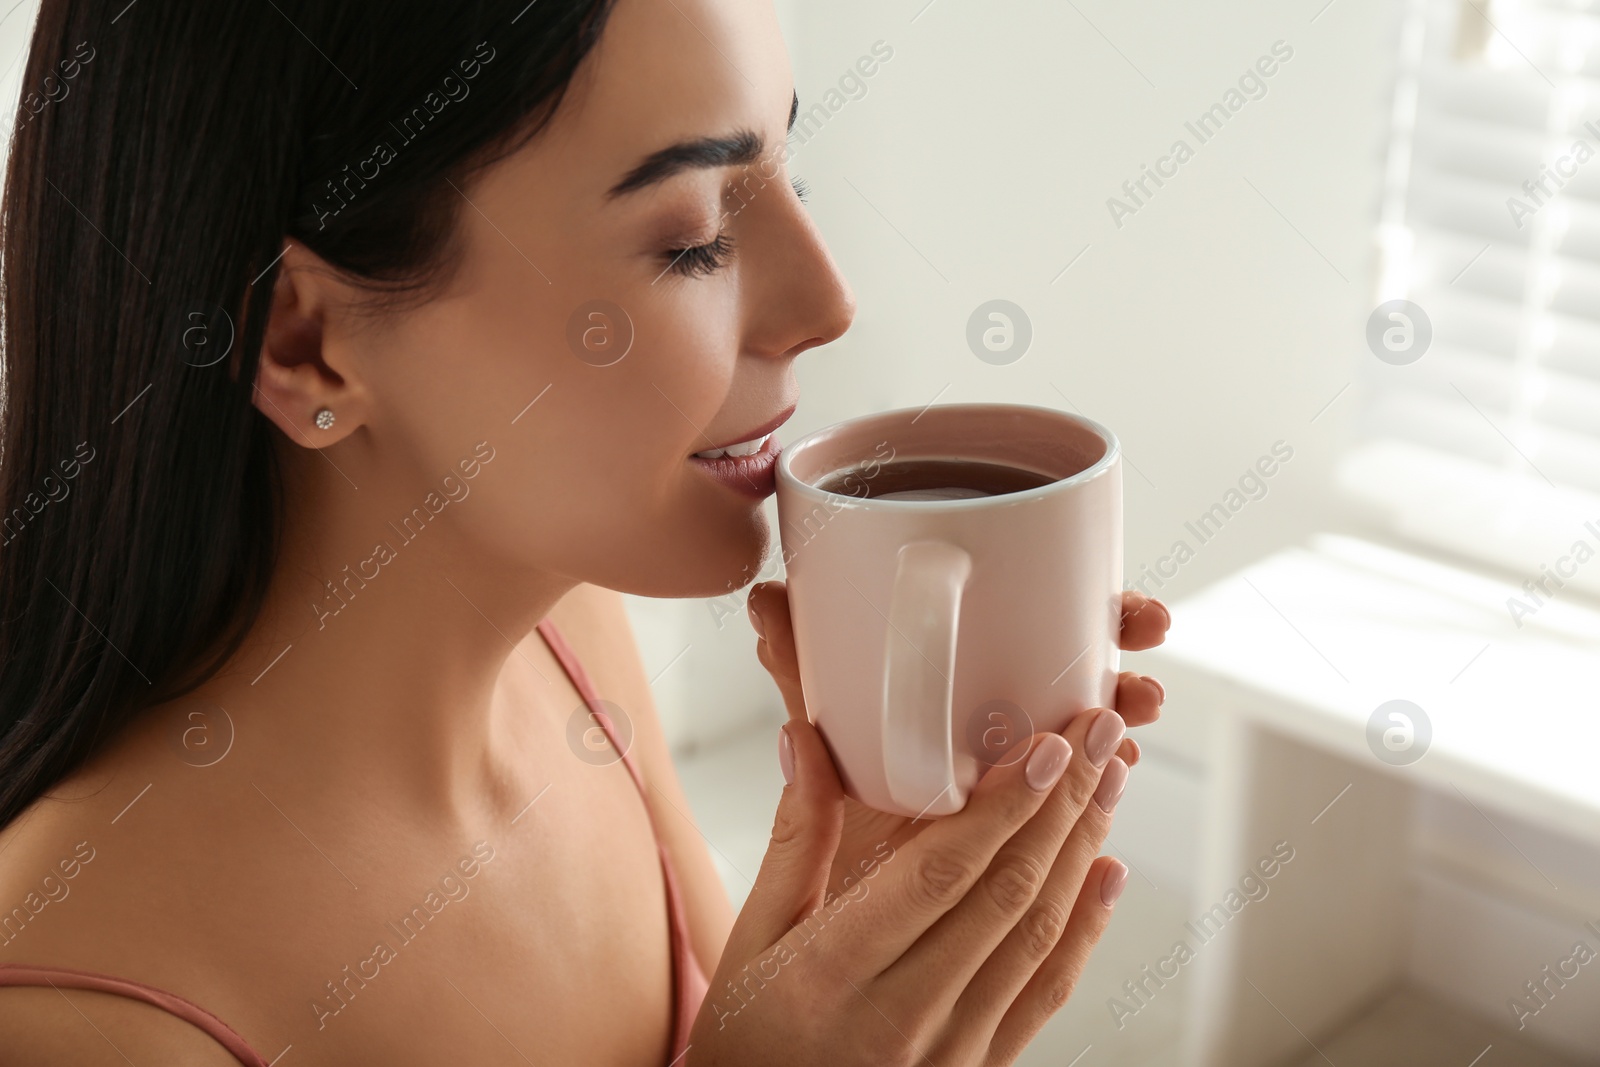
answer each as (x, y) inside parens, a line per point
(707, 563)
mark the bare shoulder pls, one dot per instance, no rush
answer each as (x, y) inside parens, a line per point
(70, 897)
(45, 1026)
(595, 623)
(47, 848)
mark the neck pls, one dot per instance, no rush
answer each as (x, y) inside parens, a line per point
(376, 659)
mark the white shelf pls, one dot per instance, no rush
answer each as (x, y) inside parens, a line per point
(1406, 1028)
(1311, 640)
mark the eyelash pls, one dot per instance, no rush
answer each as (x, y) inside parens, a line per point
(697, 260)
(701, 259)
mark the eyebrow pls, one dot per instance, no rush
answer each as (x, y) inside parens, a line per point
(740, 148)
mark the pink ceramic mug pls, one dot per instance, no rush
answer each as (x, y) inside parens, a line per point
(935, 636)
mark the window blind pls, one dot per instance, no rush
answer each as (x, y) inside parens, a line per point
(1490, 224)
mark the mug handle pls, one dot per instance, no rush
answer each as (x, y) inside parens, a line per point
(920, 660)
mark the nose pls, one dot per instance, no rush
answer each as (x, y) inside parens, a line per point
(797, 297)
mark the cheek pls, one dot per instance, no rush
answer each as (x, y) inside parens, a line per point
(619, 436)
(687, 363)
(591, 471)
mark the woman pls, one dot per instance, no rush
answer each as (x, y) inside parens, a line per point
(320, 488)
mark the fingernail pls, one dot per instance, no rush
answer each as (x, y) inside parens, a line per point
(1161, 690)
(1164, 611)
(755, 617)
(786, 755)
(1047, 762)
(1105, 733)
(1112, 884)
(1112, 781)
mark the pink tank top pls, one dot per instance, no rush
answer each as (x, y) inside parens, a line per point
(689, 982)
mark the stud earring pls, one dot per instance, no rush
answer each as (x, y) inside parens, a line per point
(324, 419)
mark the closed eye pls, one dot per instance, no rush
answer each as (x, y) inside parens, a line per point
(703, 259)
(699, 260)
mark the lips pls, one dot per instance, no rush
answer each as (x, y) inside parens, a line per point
(743, 448)
(754, 438)
(755, 475)
(748, 464)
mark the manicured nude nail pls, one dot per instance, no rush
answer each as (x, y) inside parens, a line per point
(1112, 782)
(1047, 762)
(1112, 884)
(1105, 733)
(786, 755)
(755, 619)
(1161, 690)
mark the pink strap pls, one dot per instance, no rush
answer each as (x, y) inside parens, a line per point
(688, 977)
(22, 974)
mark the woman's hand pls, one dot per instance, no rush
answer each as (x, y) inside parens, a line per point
(1138, 702)
(980, 923)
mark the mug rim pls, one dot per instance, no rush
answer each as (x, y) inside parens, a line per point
(787, 477)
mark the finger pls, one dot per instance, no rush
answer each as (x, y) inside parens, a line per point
(1139, 698)
(768, 605)
(1034, 939)
(805, 834)
(931, 873)
(1031, 937)
(962, 940)
(1144, 622)
(1054, 981)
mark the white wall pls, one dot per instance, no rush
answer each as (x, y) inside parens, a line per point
(16, 29)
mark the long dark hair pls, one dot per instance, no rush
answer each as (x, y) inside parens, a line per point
(163, 151)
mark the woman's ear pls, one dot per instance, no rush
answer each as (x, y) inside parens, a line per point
(308, 387)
